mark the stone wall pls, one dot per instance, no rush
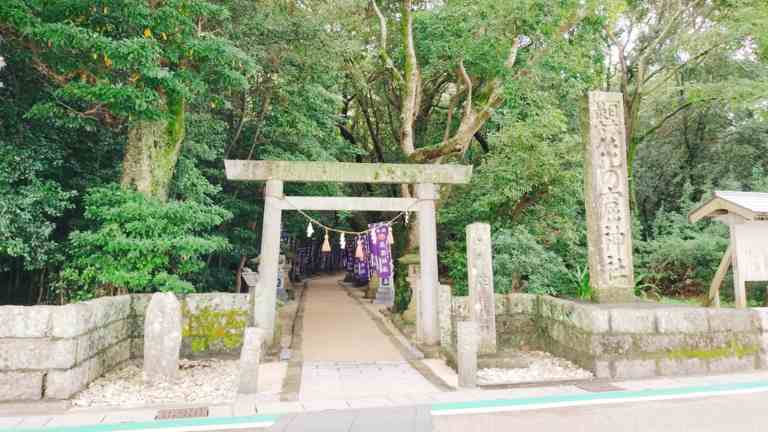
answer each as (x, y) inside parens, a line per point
(52, 352)
(631, 340)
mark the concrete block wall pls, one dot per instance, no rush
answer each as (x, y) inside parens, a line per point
(632, 340)
(52, 352)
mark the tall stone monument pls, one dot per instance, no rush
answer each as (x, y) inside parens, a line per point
(162, 338)
(482, 301)
(606, 194)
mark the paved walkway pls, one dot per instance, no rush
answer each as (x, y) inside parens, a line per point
(346, 356)
(337, 329)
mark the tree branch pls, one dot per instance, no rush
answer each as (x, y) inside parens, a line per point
(663, 121)
(383, 34)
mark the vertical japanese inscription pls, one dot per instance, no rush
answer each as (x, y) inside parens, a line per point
(607, 199)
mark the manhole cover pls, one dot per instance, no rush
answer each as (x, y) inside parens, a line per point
(599, 387)
(179, 413)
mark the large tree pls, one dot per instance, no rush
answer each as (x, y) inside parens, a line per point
(128, 63)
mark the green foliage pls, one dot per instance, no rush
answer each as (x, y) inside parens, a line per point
(141, 244)
(29, 206)
(520, 258)
(580, 278)
(124, 56)
(403, 292)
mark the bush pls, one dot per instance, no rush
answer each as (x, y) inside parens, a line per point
(679, 267)
(140, 244)
(681, 258)
(520, 259)
(519, 262)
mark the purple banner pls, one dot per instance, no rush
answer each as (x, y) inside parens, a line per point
(361, 262)
(380, 252)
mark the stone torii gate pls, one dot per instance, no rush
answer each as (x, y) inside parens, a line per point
(276, 173)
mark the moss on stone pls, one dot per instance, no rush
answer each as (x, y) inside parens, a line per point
(208, 327)
(734, 348)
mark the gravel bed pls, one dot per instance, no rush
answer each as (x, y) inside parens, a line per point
(543, 367)
(200, 381)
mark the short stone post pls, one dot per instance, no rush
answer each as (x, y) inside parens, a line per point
(162, 338)
(466, 353)
(445, 315)
(606, 196)
(482, 301)
(250, 358)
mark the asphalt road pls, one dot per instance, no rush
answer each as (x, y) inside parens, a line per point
(746, 412)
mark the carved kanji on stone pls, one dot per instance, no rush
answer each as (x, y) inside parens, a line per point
(606, 195)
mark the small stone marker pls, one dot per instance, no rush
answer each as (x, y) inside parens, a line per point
(162, 338)
(482, 300)
(250, 357)
(386, 293)
(606, 190)
(282, 281)
(467, 348)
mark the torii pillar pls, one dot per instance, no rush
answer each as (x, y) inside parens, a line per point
(263, 301)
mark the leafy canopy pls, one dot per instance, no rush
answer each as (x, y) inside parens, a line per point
(120, 59)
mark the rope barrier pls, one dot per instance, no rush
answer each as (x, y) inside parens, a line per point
(341, 231)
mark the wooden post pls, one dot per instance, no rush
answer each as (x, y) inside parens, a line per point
(739, 284)
(717, 281)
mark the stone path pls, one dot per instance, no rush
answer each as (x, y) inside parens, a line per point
(336, 328)
(353, 380)
(346, 356)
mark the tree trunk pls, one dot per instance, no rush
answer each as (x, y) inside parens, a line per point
(412, 86)
(239, 274)
(152, 151)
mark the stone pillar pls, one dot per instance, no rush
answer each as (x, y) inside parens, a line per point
(162, 338)
(264, 300)
(606, 195)
(250, 358)
(445, 316)
(427, 192)
(482, 301)
(466, 353)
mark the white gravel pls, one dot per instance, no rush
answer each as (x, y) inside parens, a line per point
(200, 381)
(543, 367)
